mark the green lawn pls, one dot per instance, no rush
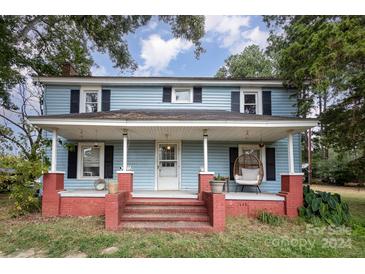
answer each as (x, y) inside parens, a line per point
(244, 237)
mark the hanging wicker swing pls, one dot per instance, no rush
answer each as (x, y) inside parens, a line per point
(248, 171)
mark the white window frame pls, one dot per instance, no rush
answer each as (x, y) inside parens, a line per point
(80, 161)
(89, 89)
(257, 92)
(173, 95)
(242, 147)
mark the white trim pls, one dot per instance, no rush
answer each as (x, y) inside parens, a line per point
(258, 97)
(294, 173)
(206, 173)
(128, 171)
(205, 149)
(79, 161)
(125, 152)
(55, 172)
(54, 151)
(83, 193)
(246, 196)
(89, 89)
(167, 123)
(291, 153)
(178, 142)
(262, 154)
(154, 81)
(173, 95)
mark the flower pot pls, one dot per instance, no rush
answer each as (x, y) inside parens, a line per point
(217, 186)
(112, 188)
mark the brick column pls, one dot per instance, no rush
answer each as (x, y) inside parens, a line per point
(204, 179)
(53, 182)
(216, 205)
(114, 206)
(125, 181)
(292, 190)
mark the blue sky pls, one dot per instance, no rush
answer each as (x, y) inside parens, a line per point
(157, 53)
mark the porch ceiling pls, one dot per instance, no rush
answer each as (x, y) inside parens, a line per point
(100, 133)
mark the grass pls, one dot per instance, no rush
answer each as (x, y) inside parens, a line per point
(244, 237)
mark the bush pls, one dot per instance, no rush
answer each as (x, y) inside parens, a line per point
(23, 183)
(336, 171)
(324, 206)
(269, 218)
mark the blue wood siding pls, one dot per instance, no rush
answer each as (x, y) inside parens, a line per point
(141, 157)
(57, 99)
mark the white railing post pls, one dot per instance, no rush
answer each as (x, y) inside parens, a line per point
(290, 153)
(54, 151)
(205, 141)
(125, 149)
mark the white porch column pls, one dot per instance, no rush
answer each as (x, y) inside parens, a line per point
(205, 141)
(291, 153)
(54, 151)
(125, 149)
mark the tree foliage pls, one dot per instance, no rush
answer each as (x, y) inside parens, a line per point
(41, 44)
(251, 62)
(324, 57)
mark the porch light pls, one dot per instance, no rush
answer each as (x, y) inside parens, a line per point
(168, 147)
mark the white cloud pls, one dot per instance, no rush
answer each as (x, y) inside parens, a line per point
(158, 53)
(98, 70)
(233, 32)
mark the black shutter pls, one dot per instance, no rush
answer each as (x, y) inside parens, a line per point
(197, 95)
(105, 100)
(235, 101)
(72, 164)
(108, 162)
(233, 154)
(270, 164)
(166, 95)
(266, 102)
(75, 101)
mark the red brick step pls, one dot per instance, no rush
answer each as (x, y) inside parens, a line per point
(164, 209)
(176, 217)
(169, 226)
(165, 202)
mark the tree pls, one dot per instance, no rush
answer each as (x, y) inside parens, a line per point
(41, 44)
(324, 57)
(251, 62)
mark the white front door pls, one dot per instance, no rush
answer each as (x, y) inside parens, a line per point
(168, 166)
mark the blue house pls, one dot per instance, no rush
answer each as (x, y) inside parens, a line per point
(168, 130)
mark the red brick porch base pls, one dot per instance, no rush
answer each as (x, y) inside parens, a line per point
(53, 182)
(82, 206)
(204, 186)
(252, 208)
(114, 206)
(292, 190)
(216, 206)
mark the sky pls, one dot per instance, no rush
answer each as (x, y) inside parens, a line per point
(158, 53)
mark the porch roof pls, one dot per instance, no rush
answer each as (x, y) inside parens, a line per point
(173, 125)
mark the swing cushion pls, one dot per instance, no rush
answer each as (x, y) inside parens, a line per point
(249, 177)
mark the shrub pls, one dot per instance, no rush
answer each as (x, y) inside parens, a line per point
(269, 218)
(23, 183)
(324, 206)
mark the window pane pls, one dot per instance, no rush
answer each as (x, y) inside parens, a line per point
(182, 95)
(91, 161)
(91, 107)
(250, 109)
(251, 161)
(250, 99)
(92, 97)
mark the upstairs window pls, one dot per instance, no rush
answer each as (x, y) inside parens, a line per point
(250, 103)
(182, 95)
(90, 100)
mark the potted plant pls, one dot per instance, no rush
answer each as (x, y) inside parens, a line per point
(217, 184)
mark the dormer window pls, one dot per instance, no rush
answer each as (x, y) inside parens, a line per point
(182, 95)
(90, 99)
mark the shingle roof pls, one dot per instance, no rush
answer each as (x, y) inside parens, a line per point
(171, 114)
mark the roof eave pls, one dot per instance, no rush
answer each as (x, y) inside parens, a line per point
(118, 81)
